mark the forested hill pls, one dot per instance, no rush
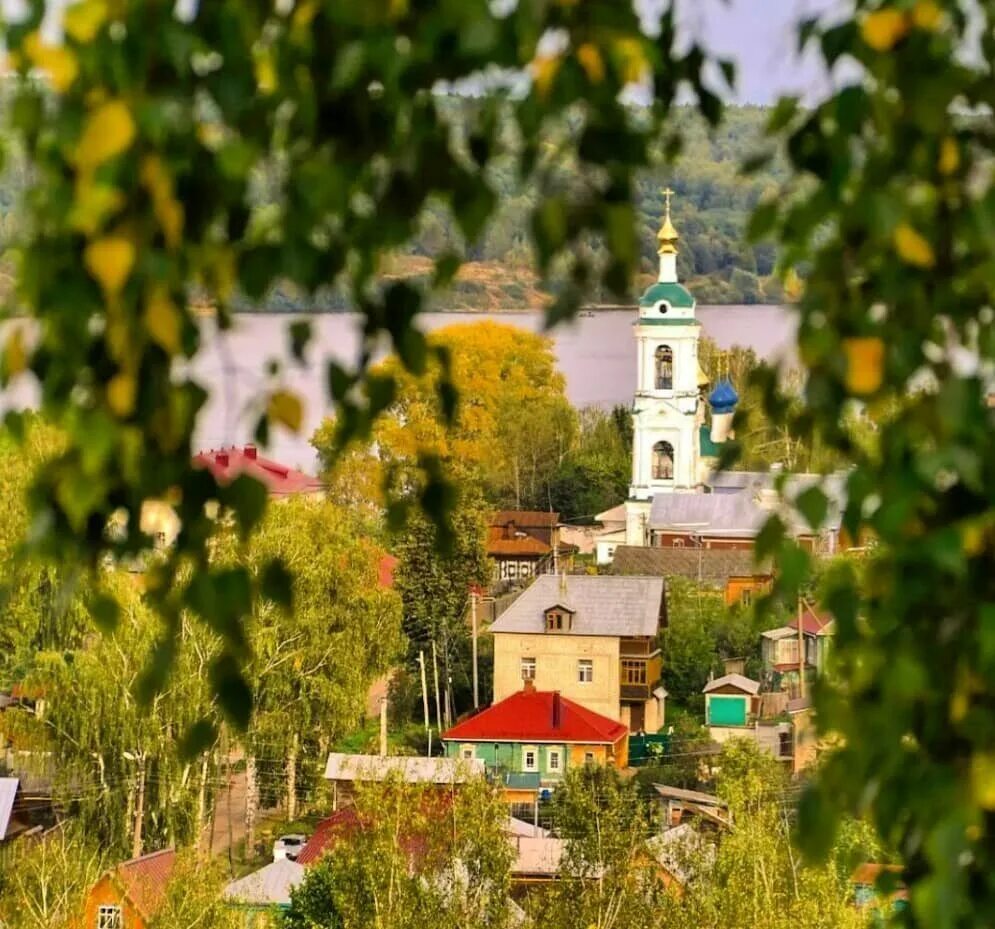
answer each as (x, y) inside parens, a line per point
(711, 206)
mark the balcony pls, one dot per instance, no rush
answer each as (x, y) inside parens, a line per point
(639, 676)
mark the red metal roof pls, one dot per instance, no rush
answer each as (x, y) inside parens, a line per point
(813, 622)
(527, 545)
(528, 716)
(143, 880)
(228, 463)
(340, 825)
(526, 519)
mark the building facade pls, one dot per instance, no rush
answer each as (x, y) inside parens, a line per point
(593, 638)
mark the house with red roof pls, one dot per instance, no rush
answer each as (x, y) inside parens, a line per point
(226, 464)
(129, 895)
(785, 651)
(530, 739)
(521, 543)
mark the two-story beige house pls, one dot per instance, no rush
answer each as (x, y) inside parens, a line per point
(593, 639)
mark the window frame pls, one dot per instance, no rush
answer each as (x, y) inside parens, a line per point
(634, 672)
(534, 752)
(663, 368)
(585, 664)
(468, 751)
(662, 451)
(556, 753)
(525, 661)
(109, 916)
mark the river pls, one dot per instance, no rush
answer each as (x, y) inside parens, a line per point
(596, 354)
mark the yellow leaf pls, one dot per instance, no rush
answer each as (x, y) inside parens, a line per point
(56, 61)
(633, 58)
(949, 160)
(265, 73)
(285, 408)
(162, 319)
(882, 29)
(590, 60)
(544, 71)
(82, 21)
(913, 248)
(109, 261)
(109, 131)
(983, 780)
(927, 15)
(972, 537)
(121, 394)
(15, 356)
(864, 364)
(167, 209)
(94, 204)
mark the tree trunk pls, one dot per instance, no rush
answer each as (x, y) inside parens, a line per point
(292, 778)
(136, 844)
(251, 803)
(202, 805)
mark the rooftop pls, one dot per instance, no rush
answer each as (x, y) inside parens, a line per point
(604, 605)
(710, 564)
(280, 480)
(537, 716)
(269, 886)
(526, 519)
(410, 769)
(739, 681)
(143, 880)
(814, 622)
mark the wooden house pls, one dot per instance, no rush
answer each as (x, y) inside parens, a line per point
(129, 895)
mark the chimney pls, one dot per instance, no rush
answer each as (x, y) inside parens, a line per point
(557, 709)
(250, 452)
(222, 459)
(529, 687)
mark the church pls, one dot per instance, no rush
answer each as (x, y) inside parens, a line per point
(677, 497)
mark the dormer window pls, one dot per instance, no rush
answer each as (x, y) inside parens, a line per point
(558, 619)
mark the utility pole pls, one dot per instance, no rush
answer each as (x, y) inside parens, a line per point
(136, 845)
(424, 688)
(435, 673)
(383, 727)
(473, 626)
(801, 653)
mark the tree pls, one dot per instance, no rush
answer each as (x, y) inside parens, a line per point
(43, 884)
(418, 857)
(192, 898)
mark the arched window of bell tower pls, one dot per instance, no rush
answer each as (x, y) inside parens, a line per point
(664, 368)
(663, 461)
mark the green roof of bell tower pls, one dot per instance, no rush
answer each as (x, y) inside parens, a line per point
(675, 294)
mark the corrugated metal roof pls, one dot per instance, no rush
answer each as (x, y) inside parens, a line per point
(710, 564)
(604, 605)
(733, 680)
(536, 855)
(8, 791)
(143, 880)
(530, 519)
(411, 770)
(269, 886)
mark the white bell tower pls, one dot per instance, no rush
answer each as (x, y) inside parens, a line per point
(667, 411)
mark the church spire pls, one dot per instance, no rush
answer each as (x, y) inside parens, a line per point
(667, 237)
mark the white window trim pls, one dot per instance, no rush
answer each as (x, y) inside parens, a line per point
(468, 752)
(533, 664)
(525, 756)
(556, 753)
(585, 664)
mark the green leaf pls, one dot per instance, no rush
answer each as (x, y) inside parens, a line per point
(300, 337)
(277, 584)
(769, 538)
(106, 611)
(247, 497)
(817, 824)
(813, 504)
(197, 739)
(233, 693)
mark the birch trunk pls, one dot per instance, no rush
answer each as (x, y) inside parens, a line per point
(202, 804)
(292, 778)
(251, 803)
(136, 845)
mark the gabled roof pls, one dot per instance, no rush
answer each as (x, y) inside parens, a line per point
(615, 515)
(8, 791)
(340, 825)
(739, 681)
(525, 519)
(280, 480)
(531, 716)
(711, 564)
(525, 544)
(269, 886)
(605, 605)
(143, 880)
(692, 796)
(410, 769)
(814, 622)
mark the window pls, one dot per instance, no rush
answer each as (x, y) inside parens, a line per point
(588, 757)
(678, 543)
(633, 672)
(528, 669)
(746, 596)
(557, 620)
(109, 917)
(663, 461)
(467, 752)
(585, 670)
(553, 759)
(530, 759)
(664, 368)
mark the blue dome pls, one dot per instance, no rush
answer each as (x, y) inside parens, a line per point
(724, 398)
